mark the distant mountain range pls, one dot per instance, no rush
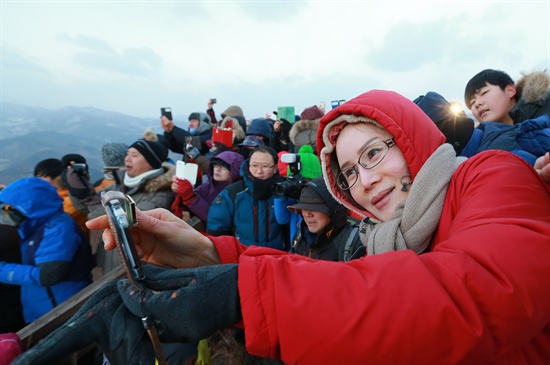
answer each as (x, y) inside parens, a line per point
(30, 134)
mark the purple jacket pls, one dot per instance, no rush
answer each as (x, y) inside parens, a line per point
(208, 191)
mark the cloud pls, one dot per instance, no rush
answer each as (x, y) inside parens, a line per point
(86, 41)
(17, 62)
(138, 62)
(273, 13)
(100, 56)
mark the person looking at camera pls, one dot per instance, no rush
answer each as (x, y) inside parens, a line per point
(244, 209)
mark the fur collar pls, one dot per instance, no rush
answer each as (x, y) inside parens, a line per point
(533, 86)
(302, 125)
(161, 182)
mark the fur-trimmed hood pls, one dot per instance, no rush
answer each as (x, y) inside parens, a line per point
(533, 86)
(238, 131)
(416, 136)
(533, 92)
(304, 132)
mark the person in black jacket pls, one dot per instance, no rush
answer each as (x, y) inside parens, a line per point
(326, 232)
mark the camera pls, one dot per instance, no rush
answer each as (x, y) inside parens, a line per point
(290, 188)
(213, 100)
(293, 184)
(80, 168)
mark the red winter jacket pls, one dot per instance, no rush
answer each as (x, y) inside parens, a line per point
(481, 295)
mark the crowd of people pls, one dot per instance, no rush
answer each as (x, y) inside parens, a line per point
(392, 230)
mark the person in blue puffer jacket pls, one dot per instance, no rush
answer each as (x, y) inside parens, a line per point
(245, 208)
(529, 139)
(56, 258)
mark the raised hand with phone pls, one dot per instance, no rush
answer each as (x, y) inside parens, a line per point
(166, 119)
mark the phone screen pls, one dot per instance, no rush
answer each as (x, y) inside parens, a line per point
(166, 112)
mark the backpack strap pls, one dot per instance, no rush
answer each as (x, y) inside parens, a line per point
(349, 242)
(232, 191)
(34, 243)
(295, 240)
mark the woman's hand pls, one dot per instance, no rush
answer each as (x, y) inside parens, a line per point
(162, 238)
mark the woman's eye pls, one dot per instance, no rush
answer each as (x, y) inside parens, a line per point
(372, 153)
(349, 172)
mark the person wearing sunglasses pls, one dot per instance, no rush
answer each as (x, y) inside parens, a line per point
(456, 269)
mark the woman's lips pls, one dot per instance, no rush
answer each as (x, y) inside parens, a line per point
(379, 200)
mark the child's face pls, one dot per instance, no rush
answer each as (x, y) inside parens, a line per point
(492, 104)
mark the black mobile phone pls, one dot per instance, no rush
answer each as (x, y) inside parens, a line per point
(120, 209)
(166, 112)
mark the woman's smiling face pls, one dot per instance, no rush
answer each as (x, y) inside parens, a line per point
(378, 189)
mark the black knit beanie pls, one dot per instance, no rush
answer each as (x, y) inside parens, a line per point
(72, 157)
(154, 152)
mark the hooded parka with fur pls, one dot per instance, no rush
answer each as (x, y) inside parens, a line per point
(480, 294)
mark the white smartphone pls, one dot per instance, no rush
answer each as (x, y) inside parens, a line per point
(187, 171)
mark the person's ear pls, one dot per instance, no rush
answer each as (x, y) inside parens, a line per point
(510, 91)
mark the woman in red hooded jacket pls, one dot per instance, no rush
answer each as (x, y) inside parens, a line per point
(457, 270)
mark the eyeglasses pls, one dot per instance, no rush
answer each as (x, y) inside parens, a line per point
(263, 166)
(371, 156)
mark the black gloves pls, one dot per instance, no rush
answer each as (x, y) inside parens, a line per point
(78, 183)
(186, 304)
(191, 151)
(103, 318)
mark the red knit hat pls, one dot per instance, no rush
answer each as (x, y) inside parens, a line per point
(311, 113)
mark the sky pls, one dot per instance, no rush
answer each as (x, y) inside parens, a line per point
(134, 57)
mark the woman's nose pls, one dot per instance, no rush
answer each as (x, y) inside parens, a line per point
(367, 178)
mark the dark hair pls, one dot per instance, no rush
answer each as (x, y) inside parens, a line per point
(493, 77)
(50, 167)
(265, 149)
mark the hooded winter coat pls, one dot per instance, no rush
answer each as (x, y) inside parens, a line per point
(238, 131)
(208, 191)
(478, 295)
(56, 258)
(534, 97)
(238, 211)
(175, 141)
(330, 243)
(528, 139)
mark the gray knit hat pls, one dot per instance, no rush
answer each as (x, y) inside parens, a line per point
(233, 111)
(113, 154)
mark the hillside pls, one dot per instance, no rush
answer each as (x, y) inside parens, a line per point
(30, 134)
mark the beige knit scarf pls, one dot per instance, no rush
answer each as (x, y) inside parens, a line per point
(414, 221)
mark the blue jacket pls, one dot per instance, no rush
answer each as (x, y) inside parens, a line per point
(528, 140)
(252, 221)
(285, 216)
(56, 259)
